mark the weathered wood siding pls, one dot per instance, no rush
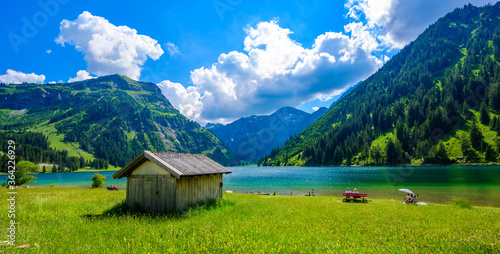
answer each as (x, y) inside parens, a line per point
(149, 168)
(152, 188)
(191, 190)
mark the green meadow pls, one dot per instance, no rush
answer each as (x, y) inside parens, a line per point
(79, 220)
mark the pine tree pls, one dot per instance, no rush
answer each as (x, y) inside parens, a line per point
(490, 154)
(498, 125)
(376, 154)
(465, 145)
(44, 170)
(475, 134)
(391, 153)
(438, 154)
(484, 117)
(494, 96)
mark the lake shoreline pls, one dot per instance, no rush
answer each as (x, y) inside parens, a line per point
(434, 184)
(420, 165)
(250, 166)
(337, 198)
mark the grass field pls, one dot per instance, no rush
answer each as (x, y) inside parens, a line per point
(78, 220)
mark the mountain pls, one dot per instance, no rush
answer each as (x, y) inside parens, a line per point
(211, 126)
(436, 101)
(346, 92)
(112, 118)
(254, 136)
(308, 120)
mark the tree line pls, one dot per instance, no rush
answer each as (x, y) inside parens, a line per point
(35, 147)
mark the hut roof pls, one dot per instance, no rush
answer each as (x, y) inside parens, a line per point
(177, 164)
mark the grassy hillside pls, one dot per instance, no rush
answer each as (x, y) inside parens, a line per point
(56, 141)
(426, 96)
(51, 220)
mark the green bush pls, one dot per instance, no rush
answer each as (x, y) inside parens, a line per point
(98, 181)
(462, 203)
(23, 173)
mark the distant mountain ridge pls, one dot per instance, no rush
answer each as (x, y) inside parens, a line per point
(111, 117)
(255, 136)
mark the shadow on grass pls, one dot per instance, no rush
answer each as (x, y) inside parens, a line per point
(121, 209)
(366, 201)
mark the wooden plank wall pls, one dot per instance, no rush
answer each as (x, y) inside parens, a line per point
(167, 193)
(149, 168)
(152, 193)
(191, 190)
(152, 188)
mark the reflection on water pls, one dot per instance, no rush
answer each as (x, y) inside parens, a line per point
(433, 183)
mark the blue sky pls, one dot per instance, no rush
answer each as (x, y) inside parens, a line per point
(215, 61)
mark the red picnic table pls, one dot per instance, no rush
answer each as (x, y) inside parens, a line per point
(354, 196)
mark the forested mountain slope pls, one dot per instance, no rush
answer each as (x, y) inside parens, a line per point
(436, 101)
(112, 118)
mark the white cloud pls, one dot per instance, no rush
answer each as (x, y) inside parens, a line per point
(274, 71)
(172, 49)
(52, 82)
(398, 22)
(315, 108)
(187, 100)
(81, 75)
(108, 49)
(17, 77)
(48, 51)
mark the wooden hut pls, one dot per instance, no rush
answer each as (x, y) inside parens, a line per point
(161, 182)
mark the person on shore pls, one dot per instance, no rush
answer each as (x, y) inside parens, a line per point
(355, 190)
(348, 197)
(407, 198)
(410, 200)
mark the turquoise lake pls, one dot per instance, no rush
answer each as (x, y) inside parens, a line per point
(440, 184)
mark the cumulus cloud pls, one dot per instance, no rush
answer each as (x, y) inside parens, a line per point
(187, 100)
(274, 71)
(108, 49)
(81, 75)
(398, 22)
(172, 49)
(17, 77)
